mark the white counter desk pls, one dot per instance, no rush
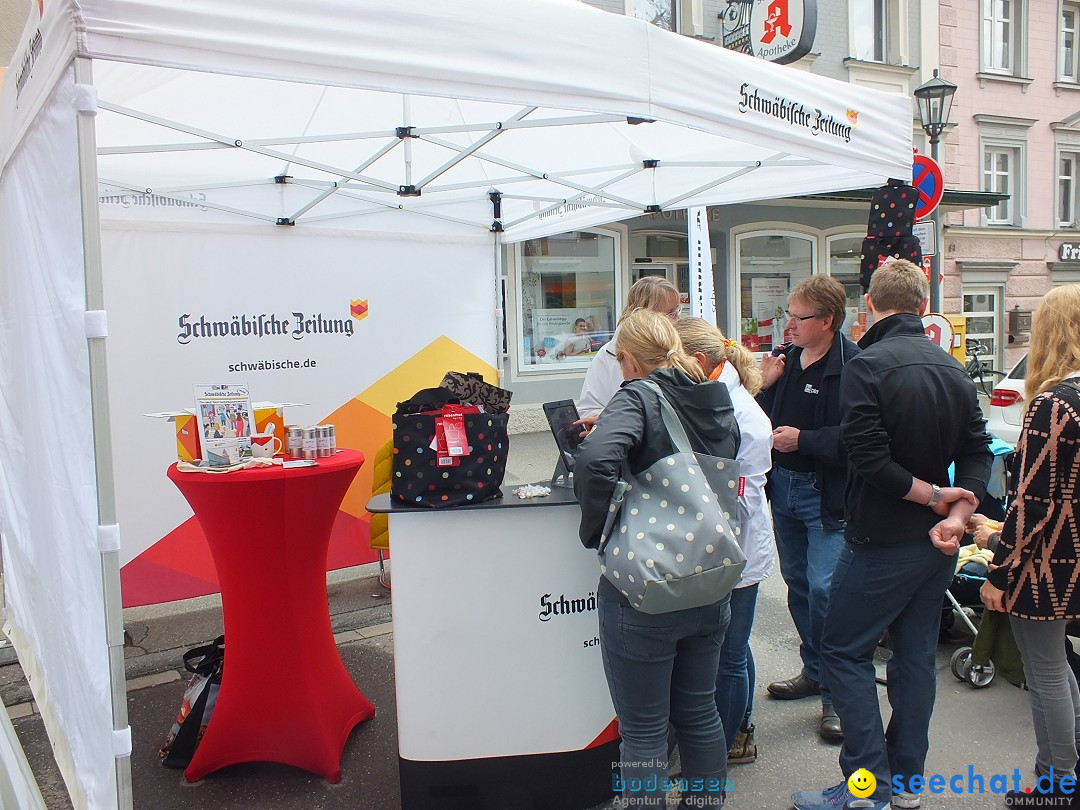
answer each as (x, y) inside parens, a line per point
(501, 697)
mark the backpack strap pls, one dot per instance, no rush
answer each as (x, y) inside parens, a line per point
(672, 422)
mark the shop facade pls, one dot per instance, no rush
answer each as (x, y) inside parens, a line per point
(759, 251)
(1017, 132)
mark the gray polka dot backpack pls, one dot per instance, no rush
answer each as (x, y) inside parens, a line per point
(670, 541)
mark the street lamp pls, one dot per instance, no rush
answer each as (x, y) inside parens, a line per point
(935, 99)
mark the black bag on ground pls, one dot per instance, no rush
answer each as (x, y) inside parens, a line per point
(206, 664)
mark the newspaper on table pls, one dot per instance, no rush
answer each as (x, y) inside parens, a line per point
(224, 412)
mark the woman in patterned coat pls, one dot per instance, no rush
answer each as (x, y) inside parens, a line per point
(1036, 576)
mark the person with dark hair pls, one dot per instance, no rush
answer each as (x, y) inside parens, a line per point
(578, 343)
(801, 395)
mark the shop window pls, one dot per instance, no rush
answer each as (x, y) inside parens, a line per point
(1001, 36)
(769, 266)
(664, 254)
(567, 301)
(1067, 189)
(1070, 29)
(845, 258)
(983, 318)
(681, 16)
(1001, 174)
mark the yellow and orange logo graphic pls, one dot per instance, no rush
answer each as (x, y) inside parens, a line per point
(358, 309)
(853, 117)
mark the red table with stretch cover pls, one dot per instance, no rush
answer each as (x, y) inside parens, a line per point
(285, 694)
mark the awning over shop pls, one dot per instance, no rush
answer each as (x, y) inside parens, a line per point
(951, 200)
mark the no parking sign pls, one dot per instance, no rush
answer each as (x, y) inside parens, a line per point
(927, 180)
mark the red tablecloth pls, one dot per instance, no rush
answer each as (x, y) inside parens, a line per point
(285, 694)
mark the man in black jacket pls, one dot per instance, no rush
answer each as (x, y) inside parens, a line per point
(909, 412)
(801, 394)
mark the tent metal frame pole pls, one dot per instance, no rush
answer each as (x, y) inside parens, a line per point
(239, 143)
(103, 458)
(293, 140)
(464, 152)
(692, 192)
(500, 304)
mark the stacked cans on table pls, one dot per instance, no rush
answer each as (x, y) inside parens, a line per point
(314, 441)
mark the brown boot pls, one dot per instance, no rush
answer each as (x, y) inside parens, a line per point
(743, 749)
(794, 688)
(829, 727)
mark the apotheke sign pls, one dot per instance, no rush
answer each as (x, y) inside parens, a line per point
(779, 31)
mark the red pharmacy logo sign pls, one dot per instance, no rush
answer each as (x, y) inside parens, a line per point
(777, 21)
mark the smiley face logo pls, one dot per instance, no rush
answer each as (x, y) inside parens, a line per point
(861, 783)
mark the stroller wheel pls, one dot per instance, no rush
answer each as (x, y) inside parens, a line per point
(981, 676)
(961, 663)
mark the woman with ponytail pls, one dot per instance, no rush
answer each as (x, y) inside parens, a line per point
(728, 362)
(660, 668)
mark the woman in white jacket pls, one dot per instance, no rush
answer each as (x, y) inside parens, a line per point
(727, 361)
(604, 377)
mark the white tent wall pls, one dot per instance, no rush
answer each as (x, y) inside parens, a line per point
(48, 493)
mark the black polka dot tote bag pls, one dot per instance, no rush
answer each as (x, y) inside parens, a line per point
(430, 468)
(671, 540)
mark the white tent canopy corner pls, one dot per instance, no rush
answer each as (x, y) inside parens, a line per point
(437, 120)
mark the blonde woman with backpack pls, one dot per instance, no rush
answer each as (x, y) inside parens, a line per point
(661, 668)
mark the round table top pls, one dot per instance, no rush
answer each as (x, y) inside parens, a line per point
(342, 459)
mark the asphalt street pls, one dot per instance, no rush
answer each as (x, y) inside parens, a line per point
(988, 729)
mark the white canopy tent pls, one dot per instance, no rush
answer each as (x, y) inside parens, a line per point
(513, 118)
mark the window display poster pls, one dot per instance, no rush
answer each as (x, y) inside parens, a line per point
(565, 333)
(765, 327)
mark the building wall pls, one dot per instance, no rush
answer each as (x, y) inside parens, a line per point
(13, 14)
(1023, 257)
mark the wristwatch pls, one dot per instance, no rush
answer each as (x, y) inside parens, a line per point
(935, 498)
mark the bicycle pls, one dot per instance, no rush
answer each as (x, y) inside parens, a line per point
(981, 372)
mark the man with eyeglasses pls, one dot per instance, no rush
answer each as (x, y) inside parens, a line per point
(801, 395)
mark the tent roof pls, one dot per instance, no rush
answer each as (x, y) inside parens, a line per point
(408, 113)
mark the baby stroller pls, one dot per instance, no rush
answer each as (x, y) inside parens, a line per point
(963, 592)
(967, 583)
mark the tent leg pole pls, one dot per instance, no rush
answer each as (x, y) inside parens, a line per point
(103, 459)
(500, 305)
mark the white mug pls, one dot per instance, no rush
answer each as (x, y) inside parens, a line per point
(265, 446)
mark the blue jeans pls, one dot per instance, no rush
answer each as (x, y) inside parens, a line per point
(808, 555)
(662, 669)
(735, 676)
(898, 588)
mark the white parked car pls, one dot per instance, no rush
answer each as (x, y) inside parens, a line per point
(1005, 412)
